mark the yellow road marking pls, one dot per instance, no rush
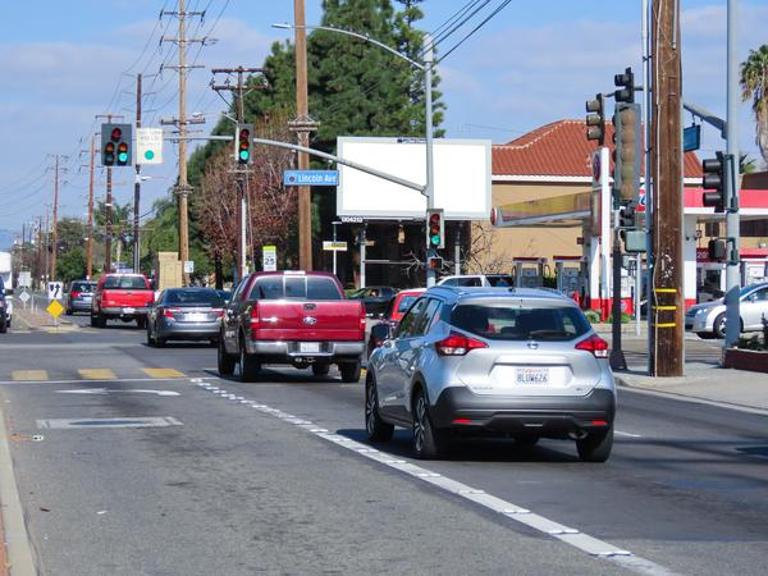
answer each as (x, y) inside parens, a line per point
(24, 375)
(97, 374)
(162, 373)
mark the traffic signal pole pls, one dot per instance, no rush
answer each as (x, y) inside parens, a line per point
(732, 185)
(137, 187)
(429, 60)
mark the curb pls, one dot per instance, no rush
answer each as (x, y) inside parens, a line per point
(20, 559)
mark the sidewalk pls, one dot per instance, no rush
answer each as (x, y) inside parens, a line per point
(708, 383)
(39, 319)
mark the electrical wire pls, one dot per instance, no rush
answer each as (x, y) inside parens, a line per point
(471, 33)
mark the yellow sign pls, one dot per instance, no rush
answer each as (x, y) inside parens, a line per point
(55, 308)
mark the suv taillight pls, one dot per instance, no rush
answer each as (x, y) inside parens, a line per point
(74, 294)
(458, 345)
(594, 344)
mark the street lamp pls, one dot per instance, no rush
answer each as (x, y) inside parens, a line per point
(425, 67)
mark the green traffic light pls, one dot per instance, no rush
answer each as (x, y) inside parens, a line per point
(435, 240)
(244, 155)
(122, 157)
(149, 154)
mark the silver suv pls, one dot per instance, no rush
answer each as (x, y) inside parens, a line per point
(512, 362)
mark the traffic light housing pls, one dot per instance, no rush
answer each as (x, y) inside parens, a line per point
(714, 179)
(627, 153)
(626, 87)
(435, 229)
(716, 250)
(596, 119)
(434, 263)
(116, 144)
(243, 143)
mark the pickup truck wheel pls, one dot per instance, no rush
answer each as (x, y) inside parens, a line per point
(350, 372)
(141, 323)
(249, 365)
(226, 361)
(320, 369)
(377, 429)
(98, 321)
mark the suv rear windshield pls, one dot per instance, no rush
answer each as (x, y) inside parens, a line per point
(82, 287)
(496, 321)
(295, 288)
(125, 283)
(501, 280)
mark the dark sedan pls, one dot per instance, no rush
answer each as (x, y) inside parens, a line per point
(185, 314)
(376, 299)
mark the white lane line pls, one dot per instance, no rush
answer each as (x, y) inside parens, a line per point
(80, 381)
(596, 548)
(627, 434)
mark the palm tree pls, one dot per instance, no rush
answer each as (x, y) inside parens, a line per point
(754, 86)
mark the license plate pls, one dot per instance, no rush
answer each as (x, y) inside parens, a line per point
(129, 310)
(196, 317)
(309, 347)
(532, 375)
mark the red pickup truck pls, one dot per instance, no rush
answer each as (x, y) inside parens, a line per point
(296, 318)
(124, 296)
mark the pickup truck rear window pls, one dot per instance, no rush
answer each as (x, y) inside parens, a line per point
(125, 283)
(295, 288)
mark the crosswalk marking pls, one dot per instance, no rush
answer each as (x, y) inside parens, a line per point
(97, 374)
(162, 373)
(24, 375)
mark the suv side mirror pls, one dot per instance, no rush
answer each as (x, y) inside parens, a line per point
(381, 332)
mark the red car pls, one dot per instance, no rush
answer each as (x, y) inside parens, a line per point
(296, 318)
(124, 296)
(399, 305)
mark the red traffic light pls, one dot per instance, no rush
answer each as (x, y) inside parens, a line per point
(116, 134)
(245, 134)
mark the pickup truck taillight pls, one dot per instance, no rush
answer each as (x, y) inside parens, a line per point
(254, 320)
(363, 322)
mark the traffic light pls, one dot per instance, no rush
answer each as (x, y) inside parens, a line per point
(116, 142)
(434, 263)
(714, 179)
(596, 119)
(626, 155)
(243, 143)
(435, 228)
(626, 86)
(716, 250)
(635, 240)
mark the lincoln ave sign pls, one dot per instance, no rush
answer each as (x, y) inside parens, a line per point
(310, 178)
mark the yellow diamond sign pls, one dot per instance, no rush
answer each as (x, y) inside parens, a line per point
(55, 308)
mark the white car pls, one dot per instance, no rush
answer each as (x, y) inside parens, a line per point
(708, 319)
(478, 280)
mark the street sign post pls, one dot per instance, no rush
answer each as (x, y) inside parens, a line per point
(269, 258)
(55, 290)
(311, 178)
(149, 145)
(334, 246)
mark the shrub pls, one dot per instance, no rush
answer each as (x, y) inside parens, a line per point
(592, 316)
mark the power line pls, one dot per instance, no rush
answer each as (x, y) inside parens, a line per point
(492, 15)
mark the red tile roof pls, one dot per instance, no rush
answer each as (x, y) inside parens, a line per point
(559, 149)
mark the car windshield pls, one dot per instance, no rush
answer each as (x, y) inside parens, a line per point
(194, 298)
(295, 288)
(125, 283)
(502, 321)
(405, 303)
(501, 280)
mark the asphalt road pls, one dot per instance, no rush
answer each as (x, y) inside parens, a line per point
(276, 477)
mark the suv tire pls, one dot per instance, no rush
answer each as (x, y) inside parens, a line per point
(596, 447)
(350, 372)
(377, 429)
(428, 442)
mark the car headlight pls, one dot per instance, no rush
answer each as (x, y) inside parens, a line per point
(702, 312)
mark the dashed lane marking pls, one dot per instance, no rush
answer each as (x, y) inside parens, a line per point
(97, 374)
(29, 375)
(572, 536)
(162, 373)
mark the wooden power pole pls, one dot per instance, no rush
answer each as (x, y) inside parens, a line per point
(89, 242)
(54, 231)
(667, 298)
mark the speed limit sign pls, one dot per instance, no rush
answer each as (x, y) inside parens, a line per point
(269, 258)
(55, 290)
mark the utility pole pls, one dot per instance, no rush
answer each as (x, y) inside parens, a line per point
(732, 185)
(137, 187)
(89, 242)
(182, 186)
(108, 207)
(54, 234)
(303, 125)
(667, 154)
(429, 191)
(47, 243)
(241, 173)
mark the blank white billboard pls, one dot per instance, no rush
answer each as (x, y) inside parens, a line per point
(462, 178)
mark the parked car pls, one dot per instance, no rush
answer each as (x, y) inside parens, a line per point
(375, 298)
(511, 362)
(398, 306)
(708, 319)
(124, 296)
(5, 318)
(296, 318)
(80, 296)
(185, 314)
(487, 280)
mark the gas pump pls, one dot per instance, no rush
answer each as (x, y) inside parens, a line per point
(568, 271)
(529, 272)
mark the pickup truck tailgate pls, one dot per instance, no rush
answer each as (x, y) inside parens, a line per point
(339, 320)
(127, 298)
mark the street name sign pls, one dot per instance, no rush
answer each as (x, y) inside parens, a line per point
(311, 178)
(149, 145)
(331, 246)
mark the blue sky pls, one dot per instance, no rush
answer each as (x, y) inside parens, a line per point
(533, 64)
